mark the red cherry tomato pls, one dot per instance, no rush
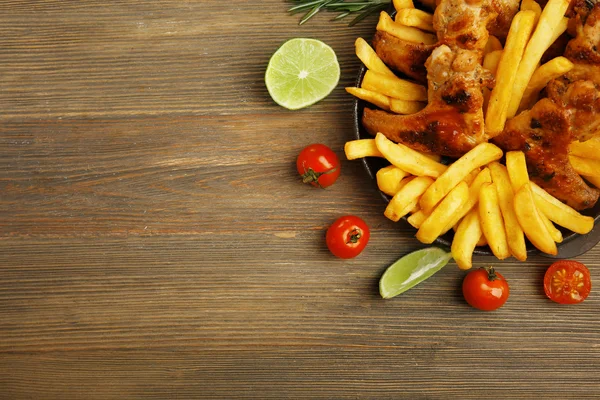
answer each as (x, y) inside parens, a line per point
(567, 282)
(347, 236)
(318, 165)
(485, 289)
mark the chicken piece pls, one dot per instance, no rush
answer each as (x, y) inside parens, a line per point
(505, 11)
(403, 56)
(544, 134)
(462, 23)
(452, 123)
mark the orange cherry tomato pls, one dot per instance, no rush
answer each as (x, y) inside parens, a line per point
(567, 282)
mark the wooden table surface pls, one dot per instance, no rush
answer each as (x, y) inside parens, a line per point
(155, 240)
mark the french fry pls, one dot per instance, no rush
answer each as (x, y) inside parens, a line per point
(405, 107)
(467, 236)
(480, 155)
(482, 240)
(517, 169)
(532, 6)
(493, 44)
(416, 219)
(369, 57)
(551, 70)
(378, 99)
(433, 226)
(555, 234)
(518, 35)
(561, 213)
(389, 178)
(434, 157)
(415, 18)
(408, 33)
(406, 198)
(491, 60)
(492, 223)
(585, 166)
(542, 38)
(394, 87)
(594, 180)
(400, 4)
(361, 148)
(530, 221)
(588, 149)
(408, 159)
(560, 29)
(482, 177)
(514, 232)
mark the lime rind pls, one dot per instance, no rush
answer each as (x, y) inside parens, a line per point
(411, 270)
(302, 72)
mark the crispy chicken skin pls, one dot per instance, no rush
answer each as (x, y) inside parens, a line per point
(403, 56)
(544, 134)
(452, 122)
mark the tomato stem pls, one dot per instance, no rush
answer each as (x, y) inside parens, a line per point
(355, 235)
(311, 176)
(491, 273)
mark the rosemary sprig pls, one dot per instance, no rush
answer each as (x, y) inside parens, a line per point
(364, 8)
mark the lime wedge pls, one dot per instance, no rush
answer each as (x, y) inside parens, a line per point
(302, 72)
(411, 270)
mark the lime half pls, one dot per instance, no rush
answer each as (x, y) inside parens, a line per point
(411, 270)
(302, 72)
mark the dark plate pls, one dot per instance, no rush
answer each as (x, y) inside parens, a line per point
(572, 245)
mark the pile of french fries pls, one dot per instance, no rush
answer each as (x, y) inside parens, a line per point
(482, 200)
(485, 202)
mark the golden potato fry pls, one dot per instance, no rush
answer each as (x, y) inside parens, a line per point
(594, 180)
(517, 169)
(480, 155)
(361, 148)
(493, 44)
(405, 107)
(518, 35)
(410, 34)
(529, 219)
(561, 213)
(552, 69)
(482, 177)
(560, 29)
(388, 179)
(585, 166)
(491, 61)
(378, 99)
(408, 159)
(514, 233)
(472, 175)
(467, 236)
(407, 197)
(434, 157)
(400, 4)
(394, 87)
(415, 18)
(492, 223)
(369, 57)
(482, 240)
(433, 226)
(532, 6)
(555, 234)
(542, 38)
(587, 149)
(416, 219)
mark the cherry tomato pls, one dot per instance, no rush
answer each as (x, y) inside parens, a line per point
(318, 165)
(347, 236)
(567, 282)
(485, 289)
